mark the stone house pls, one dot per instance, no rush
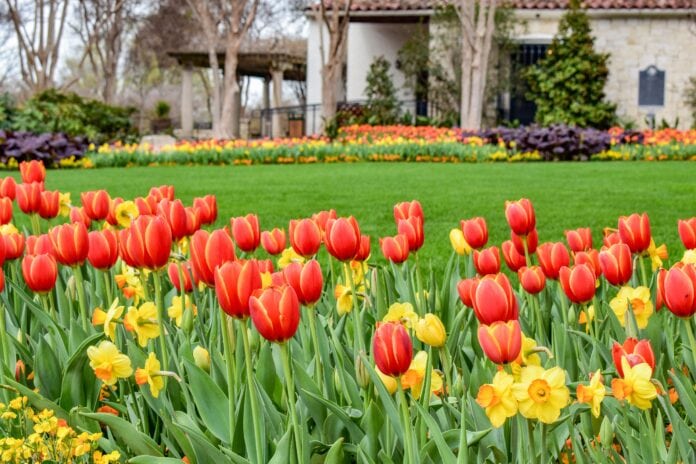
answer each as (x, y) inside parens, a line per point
(652, 47)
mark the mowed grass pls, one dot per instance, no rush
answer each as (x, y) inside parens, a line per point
(565, 195)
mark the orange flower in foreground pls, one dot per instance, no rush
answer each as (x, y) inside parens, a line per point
(275, 312)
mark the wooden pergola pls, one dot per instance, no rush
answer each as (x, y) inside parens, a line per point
(272, 61)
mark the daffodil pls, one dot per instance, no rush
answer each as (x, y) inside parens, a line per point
(587, 316)
(289, 256)
(639, 301)
(344, 299)
(108, 363)
(431, 331)
(100, 458)
(151, 375)
(125, 213)
(497, 398)
(388, 381)
(458, 242)
(143, 321)
(657, 254)
(592, 394)
(541, 393)
(402, 313)
(130, 284)
(107, 319)
(414, 377)
(175, 311)
(635, 386)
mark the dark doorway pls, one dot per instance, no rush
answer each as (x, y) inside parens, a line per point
(523, 110)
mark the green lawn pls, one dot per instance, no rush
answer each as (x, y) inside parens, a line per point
(565, 195)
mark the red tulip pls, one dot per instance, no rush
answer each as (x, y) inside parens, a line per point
(193, 220)
(611, 237)
(687, 232)
(174, 270)
(78, 215)
(578, 283)
(679, 290)
(40, 245)
(208, 251)
(40, 272)
(207, 208)
(322, 217)
(305, 237)
(635, 352)
(14, 245)
(111, 217)
(579, 239)
(552, 256)
(487, 261)
(395, 248)
(342, 238)
(501, 341)
(412, 228)
(96, 204)
(634, 231)
(5, 210)
(660, 293)
(50, 204)
(475, 232)
(364, 250)
(407, 209)
(531, 239)
(265, 265)
(275, 312)
(532, 279)
(494, 300)
(513, 258)
(146, 243)
(591, 258)
(103, 249)
(29, 197)
(174, 213)
(245, 231)
(520, 216)
(32, 171)
(616, 264)
(235, 282)
(2, 280)
(146, 206)
(8, 187)
(162, 192)
(306, 280)
(70, 243)
(466, 288)
(392, 349)
(273, 241)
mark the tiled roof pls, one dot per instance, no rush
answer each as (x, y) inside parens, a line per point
(400, 5)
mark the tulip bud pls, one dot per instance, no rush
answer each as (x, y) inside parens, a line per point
(552, 257)
(513, 258)
(407, 209)
(176, 270)
(103, 249)
(234, 285)
(578, 283)
(532, 279)
(591, 258)
(273, 241)
(50, 204)
(395, 249)
(5, 210)
(634, 231)
(361, 374)
(687, 232)
(29, 197)
(275, 312)
(501, 341)
(13, 245)
(174, 213)
(579, 239)
(40, 272)
(679, 290)
(8, 188)
(342, 238)
(96, 204)
(531, 240)
(616, 264)
(465, 289)
(202, 358)
(70, 243)
(487, 261)
(412, 228)
(520, 216)
(494, 300)
(305, 237)
(146, 243)
(392, 349)
(431, 331)
(20, 371)
(32, 171)
(207, 208)
(635, 352)
(245, 231)
(306, 280)
(458, 242)
(209, 251)
(475, 232)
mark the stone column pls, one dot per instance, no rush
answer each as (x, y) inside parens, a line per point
(265, 126)
(277, 76)
(186, 101)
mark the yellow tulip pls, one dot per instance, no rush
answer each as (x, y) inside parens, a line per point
(458, 242)
(201, 357)
(431, 331)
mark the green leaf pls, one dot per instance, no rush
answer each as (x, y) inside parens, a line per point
(153, 460)
(205, 451)
(356, 432)
(212, 404)
(284, 449)
(76, 385)
(335, 454)
(127, 434)
(47, 368)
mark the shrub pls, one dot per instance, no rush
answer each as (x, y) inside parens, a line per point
(49, 148)
(381, 94)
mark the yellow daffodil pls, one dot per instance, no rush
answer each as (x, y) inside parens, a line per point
(99, 317)
(592, 394)
(635, 387)
(388, 381)
(64, 204)
(458, 242)
(125, 213)
(586, 317)
(100, 458)
(344, 299)
(108, 363)
(657, 254)
(143, 321)
(402, 313)
(289, 256)
(415, 376)
(150, 375)
(541, 393)
(497, 398)
(359, 269)
(431, 331)
(175, 311)
(201, 357)
(640, 303)
(130, 284)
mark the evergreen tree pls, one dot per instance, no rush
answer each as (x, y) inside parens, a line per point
(567, 85)
(381, 94)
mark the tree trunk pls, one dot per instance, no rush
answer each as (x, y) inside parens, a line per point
(229, 117)
(215, 109)
(329, 99)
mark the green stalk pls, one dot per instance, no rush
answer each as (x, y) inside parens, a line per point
(643, 274)
(406, 418)
(290, 387)
(463, 456)
(692, 340)
(107, 288)
(159, 301)
(229, 363)
(527, 258)
(318, 368)
(5, 358)
(532, 445)
(35, 225)
(82, 301)
(255, 414)
(447, 367)
(358, 341)
(542, 456)
(420, 296)
(425, 396)
(537, 313)
(564, 305)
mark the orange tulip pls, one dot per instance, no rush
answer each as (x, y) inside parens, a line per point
(235, 282)
(365, 248)
(679, 290)
(146, 206)
(634, 231)
(407, 209)
(501, 341)
(687, 232)
(579, 239)
(591, 258)
(29, 197)
(146, 243)
(494, 300)
(78, 215)
(412, 228)
(207, 208)
(40, 245)
(395, 248)
(193, 220)
(531, 239)
(273, 241)
(487, 261)
(111, 217)
(475, 232)
(342, 238)
(305, 237)
(103, 249)
(306, 279)
(578, 282)
(50, 204)
(245, 231)
(322, 217)
(70, 243)
(513, 259)
(616, 264)
(8, 187)
(552, 256)
(174, 213)
(275, 312)
(520, 216)
(189, 277)
(96, 204)
(635, 352)
(40, 272)
(466, 288)
(210, 250)
(532, 279)
(32, 171)
(5, 210)
(392, 349)
(14, 245)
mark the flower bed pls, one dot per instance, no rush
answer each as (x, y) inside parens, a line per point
(131, 331)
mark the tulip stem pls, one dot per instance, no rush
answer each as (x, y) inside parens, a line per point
(107, 288)
(5, 359)
(463, 455)
(35, 225)
(563, 305)
(527, 258)
(643, 274)
(542, 455)
(290, 384)
(229, 363)
(692, 340)
(160, 317)
(447, 367)
(315, 341)
(406, 417)
(359, 342)
(537, 314)
(251, 384)
(80, 284)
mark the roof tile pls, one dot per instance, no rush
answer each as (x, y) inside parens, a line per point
(400, 5)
